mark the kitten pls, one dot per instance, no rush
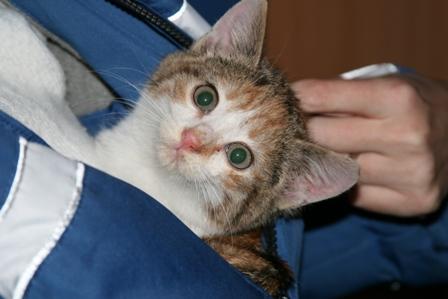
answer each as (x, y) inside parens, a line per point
(217, 137)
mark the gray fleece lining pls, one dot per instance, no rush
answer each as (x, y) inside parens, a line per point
(86, 92)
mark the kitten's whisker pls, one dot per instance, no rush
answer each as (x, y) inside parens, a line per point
(160, 107)
(154, 109)
(109, 73)
(123, 80)
(196, 188)
(115, 113)
(126, 102)
(214, 198)
(125, 68)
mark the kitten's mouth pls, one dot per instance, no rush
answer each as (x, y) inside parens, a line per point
(182, 163)
(169, 156)
(179, 156)
(173, 156)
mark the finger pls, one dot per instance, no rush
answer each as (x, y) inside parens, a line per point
(347, 134)
(358, 97)
(383, 200)
(378, 169)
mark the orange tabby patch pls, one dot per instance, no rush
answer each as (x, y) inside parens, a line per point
(233, 181)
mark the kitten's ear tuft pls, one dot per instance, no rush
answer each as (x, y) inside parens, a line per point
(239, 34)
(321, 174)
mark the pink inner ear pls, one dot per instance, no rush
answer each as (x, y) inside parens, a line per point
(327, 177)
(220, 39)
(309, 190)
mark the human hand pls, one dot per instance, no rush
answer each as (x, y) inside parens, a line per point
(396, 128)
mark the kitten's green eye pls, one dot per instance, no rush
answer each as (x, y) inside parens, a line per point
(239, 155)
(205, 98)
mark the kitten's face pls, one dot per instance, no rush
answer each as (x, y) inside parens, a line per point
(224, 130)
(230, 128)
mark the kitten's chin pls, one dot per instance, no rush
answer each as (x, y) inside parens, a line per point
(167, 157)
(181, 163)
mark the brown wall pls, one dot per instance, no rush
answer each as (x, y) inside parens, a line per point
(321, 38)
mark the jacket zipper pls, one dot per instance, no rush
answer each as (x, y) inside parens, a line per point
(152, 19)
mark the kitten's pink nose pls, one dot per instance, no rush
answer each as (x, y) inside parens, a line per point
(189, 140)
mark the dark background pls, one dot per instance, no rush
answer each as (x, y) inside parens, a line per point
(322, 38)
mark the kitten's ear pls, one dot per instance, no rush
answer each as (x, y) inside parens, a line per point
(239, 34)
(319, 175)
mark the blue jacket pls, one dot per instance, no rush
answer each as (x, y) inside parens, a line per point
(119, 243)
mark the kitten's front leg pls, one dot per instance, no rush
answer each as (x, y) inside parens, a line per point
(246, 253)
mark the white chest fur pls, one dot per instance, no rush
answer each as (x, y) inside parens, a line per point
(136, 163)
